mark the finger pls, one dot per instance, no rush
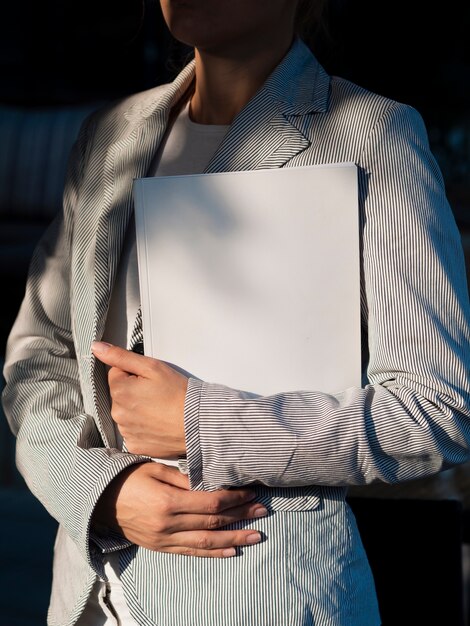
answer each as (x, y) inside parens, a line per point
(125, 360)
(215, 521)
(214, 502)
(222, 543)
(202, 502)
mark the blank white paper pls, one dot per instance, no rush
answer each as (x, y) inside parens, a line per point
(251, 279)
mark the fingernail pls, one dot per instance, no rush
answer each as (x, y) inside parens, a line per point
(100, 347)
(260, 511)
(254, 538)
(229, 552)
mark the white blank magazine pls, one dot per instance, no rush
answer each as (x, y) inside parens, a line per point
(251, 279)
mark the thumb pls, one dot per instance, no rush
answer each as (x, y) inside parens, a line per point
(169, 475)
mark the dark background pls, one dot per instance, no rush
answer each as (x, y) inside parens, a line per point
(76, 56)
(55, 53)
(58, 61)
(79, 55)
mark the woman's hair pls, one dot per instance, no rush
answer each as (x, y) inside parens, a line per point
(311, 21)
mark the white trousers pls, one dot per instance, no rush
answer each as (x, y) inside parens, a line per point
(107, 605)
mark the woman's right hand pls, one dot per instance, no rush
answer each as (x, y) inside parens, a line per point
(152, 506)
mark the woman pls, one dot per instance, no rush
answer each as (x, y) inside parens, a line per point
(254, 97)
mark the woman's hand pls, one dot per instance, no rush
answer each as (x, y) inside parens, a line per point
(147, 401)
(150, 504)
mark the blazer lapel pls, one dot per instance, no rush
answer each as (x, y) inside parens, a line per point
(127, 158)
(268, 133)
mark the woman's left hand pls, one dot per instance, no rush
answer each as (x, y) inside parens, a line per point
(147, 401)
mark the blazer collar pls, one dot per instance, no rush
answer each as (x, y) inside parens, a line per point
(299, 83)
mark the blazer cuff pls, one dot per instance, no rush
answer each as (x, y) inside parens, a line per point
(191, 428)
(113, 542)
(98, 545)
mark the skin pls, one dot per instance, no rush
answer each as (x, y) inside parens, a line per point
(150, 503)
(147, 401)
(237, 45)
(152, 506)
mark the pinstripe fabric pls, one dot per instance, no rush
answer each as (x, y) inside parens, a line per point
(305, 573)
(137, 335)
(411, 418)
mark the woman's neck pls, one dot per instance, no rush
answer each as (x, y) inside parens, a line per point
(224, 84)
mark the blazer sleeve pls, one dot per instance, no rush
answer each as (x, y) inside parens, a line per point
(59, 451)
(412, 417)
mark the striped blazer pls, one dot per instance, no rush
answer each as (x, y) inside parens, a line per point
(410, 418)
